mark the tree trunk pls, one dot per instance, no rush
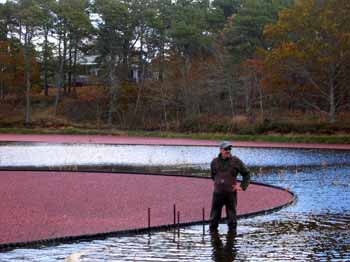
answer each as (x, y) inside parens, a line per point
(332, 108)
(20, 30)
(164, 98)
(75, 67)
(187, 96)
(125, 71)
(98, 113)
(2, 95)
(59, 77)
(63, 77)
(230, 87)
(248, 105)
(27, 76)
(112, 101)
(46, 86)
(70, 68)
(113, 84)
(231, 95)
(28, 94)
(165, 115)
(139, 90)
(261, 104)
(141, 81)
(2, 83)
(162, 86)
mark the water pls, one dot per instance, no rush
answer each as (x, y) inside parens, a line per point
(315, 228)
(48, 155)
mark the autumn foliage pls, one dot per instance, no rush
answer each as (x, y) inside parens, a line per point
(219, 66)
(310, 54)
(12, 69)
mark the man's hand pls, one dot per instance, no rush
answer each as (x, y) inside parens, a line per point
(236, 188)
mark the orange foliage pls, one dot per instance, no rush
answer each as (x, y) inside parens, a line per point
(12, 67)
(308, 40)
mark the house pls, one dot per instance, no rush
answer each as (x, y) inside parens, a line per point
(90, 70)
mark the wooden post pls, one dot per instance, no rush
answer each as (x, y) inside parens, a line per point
(178, 223)
(203, 216)
(149, 219)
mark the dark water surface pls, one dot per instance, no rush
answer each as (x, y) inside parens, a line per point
(315, 228)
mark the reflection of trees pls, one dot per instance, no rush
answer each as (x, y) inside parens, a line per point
(221, 252)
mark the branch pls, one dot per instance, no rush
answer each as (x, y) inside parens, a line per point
(314, 106)
(137, 39)
(343, 107)
(339, 99)
(313, 82)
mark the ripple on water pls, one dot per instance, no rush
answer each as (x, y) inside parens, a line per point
(282, 236)
(41, 154)
(315, 228)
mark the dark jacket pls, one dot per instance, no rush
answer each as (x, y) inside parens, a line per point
(224, 173)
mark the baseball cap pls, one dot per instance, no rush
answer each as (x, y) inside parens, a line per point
(225, 144)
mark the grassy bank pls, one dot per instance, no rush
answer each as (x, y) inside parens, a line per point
(288, 138)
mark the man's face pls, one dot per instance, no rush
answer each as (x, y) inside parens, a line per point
(225, 152)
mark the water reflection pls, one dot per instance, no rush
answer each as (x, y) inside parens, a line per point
(173, 157)
(284, 236)
(224, 251)
(300, 237)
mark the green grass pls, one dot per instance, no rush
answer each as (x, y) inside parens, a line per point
(290, 138)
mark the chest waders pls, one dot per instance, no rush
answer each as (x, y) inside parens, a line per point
(224, 173)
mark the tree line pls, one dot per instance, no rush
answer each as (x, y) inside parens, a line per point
(198, 61)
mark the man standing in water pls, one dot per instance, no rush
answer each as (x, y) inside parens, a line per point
(224, 171)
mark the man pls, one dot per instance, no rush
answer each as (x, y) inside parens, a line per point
(224, 171)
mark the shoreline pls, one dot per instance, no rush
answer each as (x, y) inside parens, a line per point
(307, 138)
(161, 141)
